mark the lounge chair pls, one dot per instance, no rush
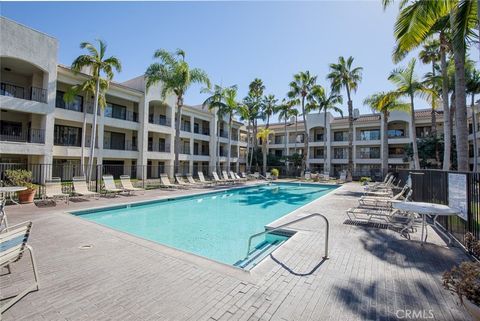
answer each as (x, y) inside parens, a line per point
(226, 178)
(110, 187)
(128, 186)
(218, 180)
(166, 182)
(13, 244)
(243, 175)
(238, 177)
(53, 190)
(3, 215)
(203, 180)
(181, 182)
(371, 201)
(80, 187)
(268, 176)
(191, 181)
(390, 216)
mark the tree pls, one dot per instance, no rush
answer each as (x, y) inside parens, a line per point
(473, 87)
(264, 135)
(326, 103)
(175, 76)
(230, 97)
(300, 88)
(384, 103)
(409, 86)
(245, 114)
(101, 71)
(344, 75)
(430, 54)
(268, 108)
(285, 112)
(253, 102)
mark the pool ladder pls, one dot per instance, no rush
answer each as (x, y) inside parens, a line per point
(327, 230)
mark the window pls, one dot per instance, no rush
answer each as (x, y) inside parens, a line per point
(113, 140)
(396, 152)
(340, 153)
(369, 152)
(76, 104)
(370, 134)
(319, 137)
(116, 111)
(340, 136)
(396, 133)
(424, 131)
(67, 136)
(278, 153)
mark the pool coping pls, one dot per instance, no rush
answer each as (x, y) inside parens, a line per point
(251, 275)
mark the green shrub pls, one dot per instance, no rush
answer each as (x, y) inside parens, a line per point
(275, 172)
(19, 177)
(365, 179)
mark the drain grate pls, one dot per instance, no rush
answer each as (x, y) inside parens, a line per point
(85, 247)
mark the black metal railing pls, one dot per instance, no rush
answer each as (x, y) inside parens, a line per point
(31, 135)
(185, 149)
(31, 93)
(160, 120)
(125, 145)
(157, 147)
(202, 131)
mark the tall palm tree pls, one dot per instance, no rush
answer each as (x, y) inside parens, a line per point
(295, 113)
(245, 115)
(232, 105)
(101, 70)
(268, 107)
(264, 134)
(417, 21)
(255, 94)
(175, 76)
(285, 112)
(408, 85)
(434, 83)
(473, 87)
(327, 102)
(385, 102)
(300, 88)
(430, 54)
(344, 75)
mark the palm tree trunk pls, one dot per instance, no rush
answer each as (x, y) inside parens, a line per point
(416, 160)
(460, 109)
(325, 141)
(264, 150)
(434, 114)
(446, 109)
(285, 143)
(248, 146)
(84, 134)
(94, 130)
(177, 135)
(474, 131)
(229, 151)
(385, 144)
(350, 136)
(305, 137)
(217, 164)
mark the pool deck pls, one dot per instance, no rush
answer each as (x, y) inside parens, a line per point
(371, 273)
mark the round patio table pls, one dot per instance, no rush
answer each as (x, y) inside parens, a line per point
(10, 190)
(424, 209)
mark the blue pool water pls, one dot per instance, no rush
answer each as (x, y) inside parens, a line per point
(215, 225)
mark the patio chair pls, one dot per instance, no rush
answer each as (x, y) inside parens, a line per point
(268, 176)
(217, 179)
(3, 215)
(389, 216)
(243, 175)
(13, 244)
(166, 182)
(202, 179)
(373, 201)
(109, 186)
(228, 179)
(238, 177)
(80, 187)
(128, 186)
(53, 190)
(181, 182)
(191, 181)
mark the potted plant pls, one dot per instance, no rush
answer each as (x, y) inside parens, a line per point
(364, 180)
(275, 173)
(21, 177)
(464, 280)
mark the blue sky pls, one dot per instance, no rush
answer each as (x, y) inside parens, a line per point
(233, 42)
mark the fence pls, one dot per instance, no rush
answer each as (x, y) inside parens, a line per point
(433, 186)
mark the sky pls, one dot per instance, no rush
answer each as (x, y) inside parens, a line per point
(234, 42)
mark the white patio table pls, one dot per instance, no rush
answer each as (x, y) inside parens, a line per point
(9, 190)
(425, 209)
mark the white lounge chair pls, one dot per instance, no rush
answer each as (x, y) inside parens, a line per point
(53, 190)
(226, 178)
(191, 181)
(13, 244)
(166, 182)
(390, 216)
(238, 177)
(3, 215)
(80, 187)
(128, 186)
(181, 182)
(371, 201)
(268, 176)
(218, 180)
(109, 186)
(202, 179)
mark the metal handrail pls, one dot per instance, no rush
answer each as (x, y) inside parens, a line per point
(289, 223)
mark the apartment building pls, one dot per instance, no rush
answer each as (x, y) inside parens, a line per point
(135, 128)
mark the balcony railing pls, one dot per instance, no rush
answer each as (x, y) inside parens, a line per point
(160, 120)
(368, 155)
(362, 136)
(32, 135)
(397, 155)
(202, 153)
(313, 139)
(72, 141)
(185, 127)
(157, 147)
(127, 115)
(223, 134)
(185, 149)
(235, 137)
(316, 156)
(298, 140)
(31, 93)
(202, 131)
(125, 145)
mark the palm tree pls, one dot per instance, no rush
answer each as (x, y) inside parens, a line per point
(342, 74)
(419, 20)
(385, 102)
(230, 97)
(300, 88)
(268, 108)
(433, 82)
(409, 86)
(430, 54)
(295, 114)
(473, 87)
(255, 93)
(327, 102)
(264, 135)
(215, 102)
(285, 112)
(101, 70)
(245, 115)
(175, 76)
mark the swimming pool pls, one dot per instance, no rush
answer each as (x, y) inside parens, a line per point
(215, 225)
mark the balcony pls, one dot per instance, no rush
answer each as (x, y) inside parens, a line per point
(32, 135)
(185, 149)
(340, 137)
(315, 139)
(160, 120)
(120, 145)
(202, 131)
(396, 133)
(202, 152)
(317, 156)
(30, 93)
(72, 141)
(223, 133)
(185, 127)
(397, 156)
(368, 155)
(368, 135)
(235, 137)
(158, 147)
(123, 115)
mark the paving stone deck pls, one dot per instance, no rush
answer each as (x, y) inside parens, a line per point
(371, 273)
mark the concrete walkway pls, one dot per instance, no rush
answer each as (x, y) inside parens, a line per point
(371, 273)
